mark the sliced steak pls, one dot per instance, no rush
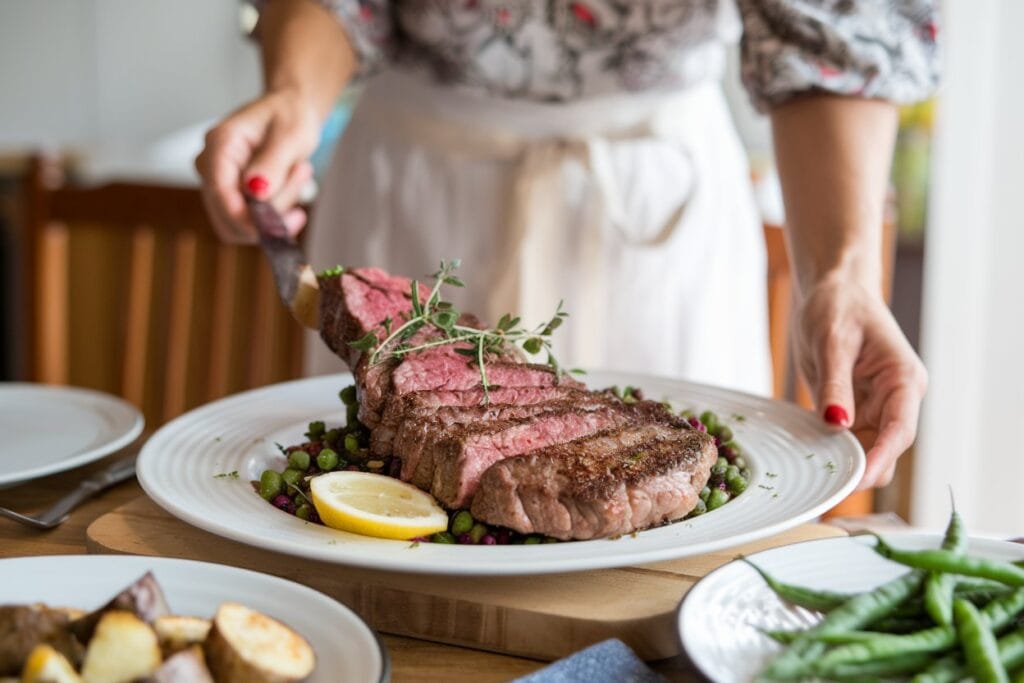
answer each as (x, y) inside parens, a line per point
(421, 404)
(612, 483)
(456, 462)
(417, 434)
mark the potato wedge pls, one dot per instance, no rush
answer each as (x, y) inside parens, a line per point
(187, 666)
(245, 646)
(22, 627)
(46, 665)
(176, 633)
(123, 648)
(144, 598)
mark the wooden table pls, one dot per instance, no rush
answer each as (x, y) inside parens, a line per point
(411, 660)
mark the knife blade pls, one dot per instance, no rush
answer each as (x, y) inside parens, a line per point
(296, 283)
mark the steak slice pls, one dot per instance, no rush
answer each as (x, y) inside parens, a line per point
(456, 462)
(417, 434)
(611, 483)
(422, 404)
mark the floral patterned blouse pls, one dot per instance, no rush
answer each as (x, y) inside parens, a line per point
(559, 50)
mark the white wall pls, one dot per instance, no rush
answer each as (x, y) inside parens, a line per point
(973, 326)
(114, 71)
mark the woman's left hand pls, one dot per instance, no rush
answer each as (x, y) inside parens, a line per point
(864, 374)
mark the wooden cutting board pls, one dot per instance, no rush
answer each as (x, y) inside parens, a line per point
(542, 617)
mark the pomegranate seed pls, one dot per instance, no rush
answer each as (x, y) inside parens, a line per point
(487, 539)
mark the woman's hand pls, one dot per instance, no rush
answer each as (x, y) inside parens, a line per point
(863, 371)
(264, 148)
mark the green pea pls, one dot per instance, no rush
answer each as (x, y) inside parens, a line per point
(348, 395)
(734, 447)
(704, 493)
(271, 484)
(303, 511)
(351, 443)
(352, 414)
(442, 537)
(316, 429)
(724, 433)
(710, 421)
(737, 484)
(462, 522)
(292, 476)
(717, 499)
(299, 460)
(477, 532)
(327, 460)
(739, 462)
(532, 540)
(719, 468)
(699, 509)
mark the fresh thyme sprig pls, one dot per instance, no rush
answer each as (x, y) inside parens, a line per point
(475, 343)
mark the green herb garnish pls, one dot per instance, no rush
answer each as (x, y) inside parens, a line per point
(330, 272)
(441, 315)
(233, 474)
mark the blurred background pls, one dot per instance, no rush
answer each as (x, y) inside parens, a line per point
(111, 278)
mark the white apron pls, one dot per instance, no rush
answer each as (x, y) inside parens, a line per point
(635, 209)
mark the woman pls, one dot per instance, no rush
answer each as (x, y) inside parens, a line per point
(583, 150)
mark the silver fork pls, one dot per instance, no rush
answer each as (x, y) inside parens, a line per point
(113, 474)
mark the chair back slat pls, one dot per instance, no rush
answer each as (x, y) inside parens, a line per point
(180, 323)
(138, 315)
(52, 317)
(225, 273)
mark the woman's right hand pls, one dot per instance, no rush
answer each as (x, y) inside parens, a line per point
(262, 150)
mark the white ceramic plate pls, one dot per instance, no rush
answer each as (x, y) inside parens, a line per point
(346, 649)
(720, 619)
(799, 470)
(49, 429)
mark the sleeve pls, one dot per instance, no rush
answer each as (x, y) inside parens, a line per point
(883, 49)
(369, 25)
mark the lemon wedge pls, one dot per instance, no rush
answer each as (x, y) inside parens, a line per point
(375, 505)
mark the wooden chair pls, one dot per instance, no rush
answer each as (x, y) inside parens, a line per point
(789, 384)
(129, 292)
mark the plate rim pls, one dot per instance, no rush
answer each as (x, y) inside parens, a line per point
(860, 538)
(385, 656)
(497, 567)
(138, 422)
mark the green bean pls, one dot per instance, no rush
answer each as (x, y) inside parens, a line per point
(818, 600)
(947, 561)
(352, 414)
(978, 643)
(951, 669)
(980, 595)
(1018, 677)
(880, 668)
(316, 430)
(299, 460)
(797, 661)
(997, 615)
(939, 586)
(897, 625)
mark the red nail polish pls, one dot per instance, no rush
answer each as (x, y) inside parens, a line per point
(257, 185)
(836, 415)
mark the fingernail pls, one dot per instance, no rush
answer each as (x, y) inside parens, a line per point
(257, 185)
(836, 415)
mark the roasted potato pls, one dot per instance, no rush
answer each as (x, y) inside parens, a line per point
(144, 598)
(245, 646)
(177, 633)
(46, 665)
(22, 627)
(123, 648)
(187, 666)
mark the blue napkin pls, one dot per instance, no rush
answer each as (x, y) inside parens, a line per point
(610, 661)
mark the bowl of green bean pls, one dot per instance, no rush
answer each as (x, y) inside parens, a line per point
(927, 608)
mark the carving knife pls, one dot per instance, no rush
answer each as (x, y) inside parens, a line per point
(295, 280)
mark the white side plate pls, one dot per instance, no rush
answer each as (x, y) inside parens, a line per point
(721, 618)
(49, 429)
(346, 649)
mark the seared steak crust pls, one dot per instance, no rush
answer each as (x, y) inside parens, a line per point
(611, 483)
